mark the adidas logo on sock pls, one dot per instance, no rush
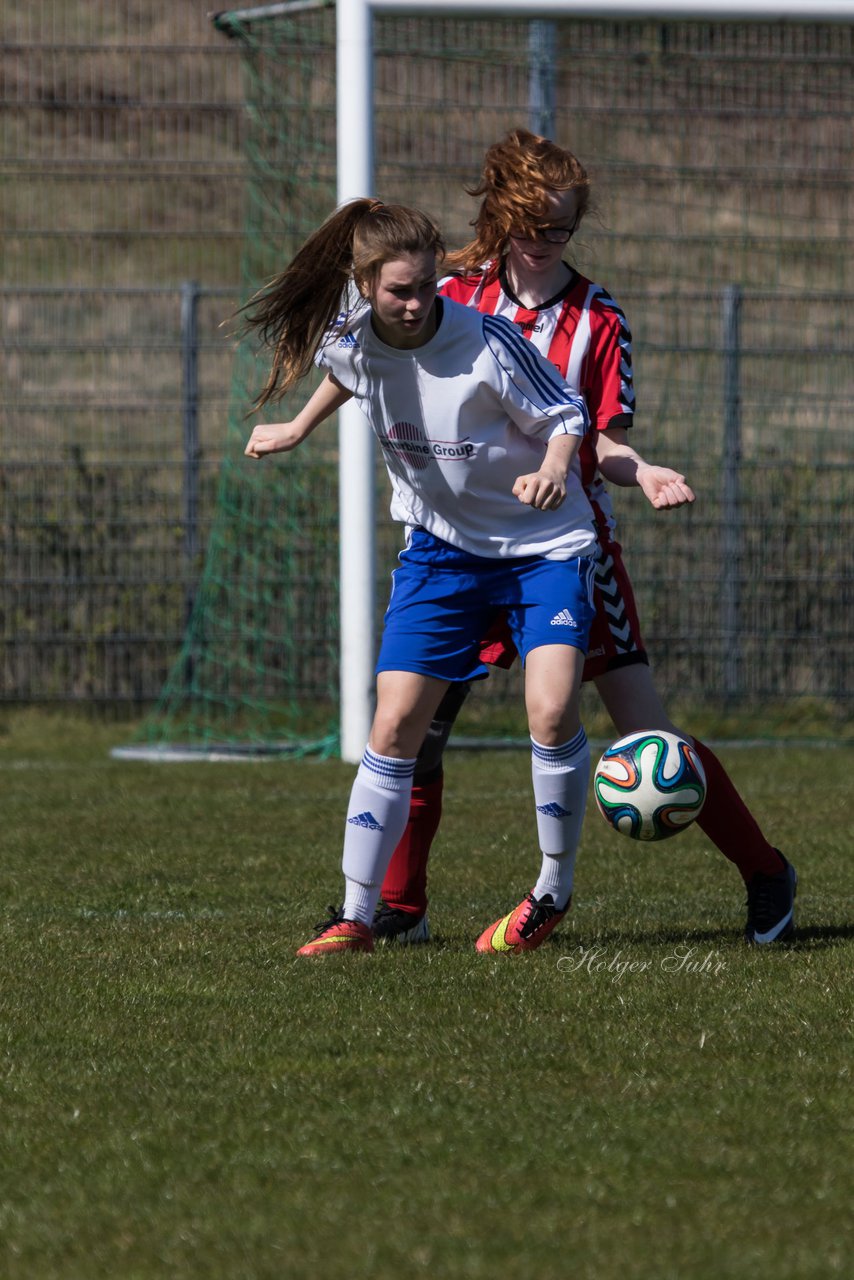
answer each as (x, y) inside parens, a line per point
(553, 811)
(563, 619)
(366, 820)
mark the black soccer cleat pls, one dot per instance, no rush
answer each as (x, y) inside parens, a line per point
(392, 924)
(771, 907)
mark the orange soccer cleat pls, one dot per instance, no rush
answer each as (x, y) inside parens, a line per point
(337, 934)
(524, 928)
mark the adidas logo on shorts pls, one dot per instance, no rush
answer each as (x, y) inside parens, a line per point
(563, 619)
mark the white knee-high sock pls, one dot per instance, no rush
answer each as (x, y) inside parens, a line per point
(376, 819)
(560, 776)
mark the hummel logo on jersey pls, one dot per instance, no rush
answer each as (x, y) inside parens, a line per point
(563, 619)
(553, 811)
(347, 341)
(366, 820)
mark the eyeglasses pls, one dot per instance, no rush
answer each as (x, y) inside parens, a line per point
(551, 235)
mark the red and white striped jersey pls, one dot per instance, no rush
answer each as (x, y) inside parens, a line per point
(584, 333)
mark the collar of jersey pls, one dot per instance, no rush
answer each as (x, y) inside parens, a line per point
(543, 306)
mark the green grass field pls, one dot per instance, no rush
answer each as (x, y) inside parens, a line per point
(643, 1098)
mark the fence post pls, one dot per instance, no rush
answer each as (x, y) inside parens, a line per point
(541, 82)
(190, 293)
(731, 493)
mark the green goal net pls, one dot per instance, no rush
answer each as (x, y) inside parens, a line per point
(721, 155)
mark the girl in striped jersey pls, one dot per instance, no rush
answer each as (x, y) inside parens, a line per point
(479, 436)
(534, 196)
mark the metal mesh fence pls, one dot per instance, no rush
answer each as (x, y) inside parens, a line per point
(116, 402)
(123, 177)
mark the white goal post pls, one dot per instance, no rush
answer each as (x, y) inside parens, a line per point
(355, 159)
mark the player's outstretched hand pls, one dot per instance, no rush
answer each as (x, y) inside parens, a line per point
(541, 491)
(664, 488)
(273, 437)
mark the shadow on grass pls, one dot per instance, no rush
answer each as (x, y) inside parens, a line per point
(810, 937)
(814, 937)
(625, 937)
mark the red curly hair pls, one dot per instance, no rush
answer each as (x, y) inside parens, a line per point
(518, 172)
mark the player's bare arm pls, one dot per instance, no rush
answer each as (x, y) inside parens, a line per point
(281, 437)
(545, 490)
(620, 464)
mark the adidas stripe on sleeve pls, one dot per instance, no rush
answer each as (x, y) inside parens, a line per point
(533, 390)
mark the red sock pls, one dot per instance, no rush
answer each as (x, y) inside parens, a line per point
(730, 825)
(405, 884)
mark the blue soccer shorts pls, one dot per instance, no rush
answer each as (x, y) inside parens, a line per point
(443, 601)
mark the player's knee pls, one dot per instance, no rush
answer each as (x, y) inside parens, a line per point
(395, 735)
(553, 723)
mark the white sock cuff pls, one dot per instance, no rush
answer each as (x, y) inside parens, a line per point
(386, 773)
(360, 901)
(558, 758)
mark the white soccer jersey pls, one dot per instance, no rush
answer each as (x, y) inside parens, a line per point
(459, 419)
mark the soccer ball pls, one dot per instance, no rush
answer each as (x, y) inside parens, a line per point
(650, 785)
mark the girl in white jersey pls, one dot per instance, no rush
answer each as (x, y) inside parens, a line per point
(534, 195)
(480, 437)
